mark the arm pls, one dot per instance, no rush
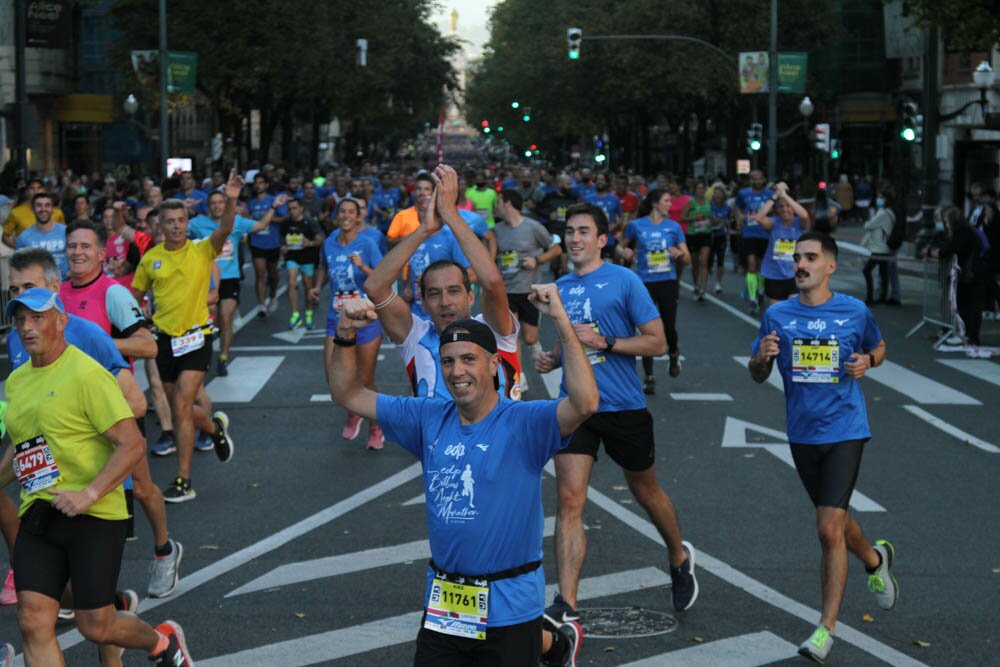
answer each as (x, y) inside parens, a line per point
(320, 279)
(7, 467)
(760, 364)
(225, 228)
(582, 397)
(859, 362)
(130, 447)
(119, 225)
(139, 344)
(681, 253)
(346, 387)
(132, 392)
(496, 309)
(651, 341)
(267, 218)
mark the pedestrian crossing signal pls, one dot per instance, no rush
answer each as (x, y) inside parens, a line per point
(574, 36)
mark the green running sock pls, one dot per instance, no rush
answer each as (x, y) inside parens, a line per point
(751, 279)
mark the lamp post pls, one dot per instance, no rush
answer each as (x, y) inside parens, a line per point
(984, 77)
(806, 108)
(130, 105)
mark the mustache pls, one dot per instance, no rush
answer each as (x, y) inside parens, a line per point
(801, 274)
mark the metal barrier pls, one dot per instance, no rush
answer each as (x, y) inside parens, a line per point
(938, 300)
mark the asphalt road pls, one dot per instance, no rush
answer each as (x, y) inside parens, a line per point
(309, 550)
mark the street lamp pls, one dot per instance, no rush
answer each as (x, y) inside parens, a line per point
(806, 107)
(983, 78)
(130, 105)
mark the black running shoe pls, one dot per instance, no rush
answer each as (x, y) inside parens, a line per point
(684, 585)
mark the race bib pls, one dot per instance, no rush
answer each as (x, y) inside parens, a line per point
(784, 249)
(815, 361)
(35, 466)
(294, 241)
(658, 261)
(594, 356)
(561, 213)
(189, 342)
(458, 609)
(227, 252)
(508, 262)
(340, 299)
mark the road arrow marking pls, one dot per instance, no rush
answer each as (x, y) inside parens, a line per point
(759, 648)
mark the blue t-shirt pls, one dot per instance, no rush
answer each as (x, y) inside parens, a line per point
(614, 300)
(582, 191)
(53, 240)
(200, 198)
(483, 487)
(270, 238)
(347, 281)
(722, 212)
(442, 245)
(476, 222)
(372, 233)
(202, 227)
(653, 262)
(386, 199)
(824, 403)
(778, 263)
(749, 202)
(80, 333)
(609, 203)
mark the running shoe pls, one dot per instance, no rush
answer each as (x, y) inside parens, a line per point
(204, 442)
(522, 381)
(754, 307)
(222, 442)
(700, 296)
(309, 320)
(9, 594)
(881, 582)
(272, 305)
(375, 438)
(261, 312)
(126, 600)
(351, 427)
(675, 365)
(164, 446)
(295, 320)
(684, 584)
(572, 634)
(818, 645)
(718, 288)
(179, 491)
(176, 654)
(649, 386)
(222, 367)
(559, 612)
(165, 571)
(65, 615)
(6, 654)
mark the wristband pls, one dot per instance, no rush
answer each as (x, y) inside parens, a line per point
(388, 300)
(871, 361)
(344, 342)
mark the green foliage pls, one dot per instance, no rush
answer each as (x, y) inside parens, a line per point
(964, 24)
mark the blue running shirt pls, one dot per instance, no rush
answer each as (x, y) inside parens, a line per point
(652, 261)
(778, 263)
(824, 403)
(202, 226)
(749, 202)
(347, 281)
(483, 487)
(614, 301)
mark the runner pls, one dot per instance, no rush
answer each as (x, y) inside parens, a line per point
(203, 226)
(553, 210)
(302, 238)
(611, 205)
(347, 259)
(785, 227)
(698, 216)
(484, 198)
(606, 304)
(656, 244)
(753, 246)
(722, 218)
(495, 561)
(824, 343)
(524, 245)
(178, 273)
(265, 244)
(447, 295)
(46, 233)
(73, 509)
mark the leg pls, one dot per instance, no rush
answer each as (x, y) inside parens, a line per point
(9, 523)
(272, 278)
(182, 395)
(703, 256)
(260, 270)
(831, 525)
(883, 274)
(572, 478)
(869, 288)
(648, 492)
(36, 617)
(159, 396)
(227, 308)
(293, 289)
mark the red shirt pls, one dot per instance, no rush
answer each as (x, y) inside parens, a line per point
(677, 206)
(629, 203)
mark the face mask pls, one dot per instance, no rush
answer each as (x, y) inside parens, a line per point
(880, 202)
(938, 226)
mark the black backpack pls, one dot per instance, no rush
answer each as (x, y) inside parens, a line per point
(898, 233)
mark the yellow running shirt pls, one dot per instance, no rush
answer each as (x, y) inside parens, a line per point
(65, 408)
(180, 280)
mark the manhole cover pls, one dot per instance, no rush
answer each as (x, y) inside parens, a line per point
(625, 622)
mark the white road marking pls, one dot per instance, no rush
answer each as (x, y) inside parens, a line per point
(982, 369)
(701, 397)
(735, 435)
(759, 648)
(335, 566)
(917, 387)
(726, 307)
(276, 348)
(241, 321)
(552, 380)
(268, 544)
(320, 398)
(402, 628)
(774, 379)
(247, 376)
(416, 500)
(951, 430)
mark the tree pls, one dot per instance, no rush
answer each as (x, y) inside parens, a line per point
(965, 24)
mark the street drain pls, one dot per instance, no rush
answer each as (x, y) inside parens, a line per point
(625, 622)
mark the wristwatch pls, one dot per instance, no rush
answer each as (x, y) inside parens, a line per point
(871, 361)
(609, 341)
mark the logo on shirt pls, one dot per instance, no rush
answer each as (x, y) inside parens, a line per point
(578, 290)
(483, 447)
(841, 323)
(791, 325)
(457, 451)
(157, 264)
(451, 491)
(817, 325)
(600, 285)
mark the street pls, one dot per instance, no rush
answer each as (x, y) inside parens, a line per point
(309, 550)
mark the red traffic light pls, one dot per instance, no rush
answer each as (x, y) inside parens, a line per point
(485, 123)
(822, 185)
(534, 147)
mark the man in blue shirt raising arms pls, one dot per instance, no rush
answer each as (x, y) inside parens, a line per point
(824, 343)
(606, 304)
(485, 590)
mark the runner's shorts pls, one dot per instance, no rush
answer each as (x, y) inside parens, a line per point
(627, 438)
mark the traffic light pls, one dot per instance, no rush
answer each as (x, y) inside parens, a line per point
(909, 112)
(500, 128)
(515, 104)
(821, 137)
(485, 123)
(755, 137)
(919, 128)
(834, 149)
(526, 116)
(574, 36)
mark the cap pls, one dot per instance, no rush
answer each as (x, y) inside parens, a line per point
(470, 331)
(39, 300)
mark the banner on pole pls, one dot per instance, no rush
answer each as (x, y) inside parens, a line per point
(182, 69)
(792, 72)
(753, 72)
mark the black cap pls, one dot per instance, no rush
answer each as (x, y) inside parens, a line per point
(470, 331)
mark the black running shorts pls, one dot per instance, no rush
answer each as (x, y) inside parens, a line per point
(627, 437)
(519, 644)
(53, 549)
(229, 288)
(171, 367)
(829, 471)
(753, 246)
(524, 309)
